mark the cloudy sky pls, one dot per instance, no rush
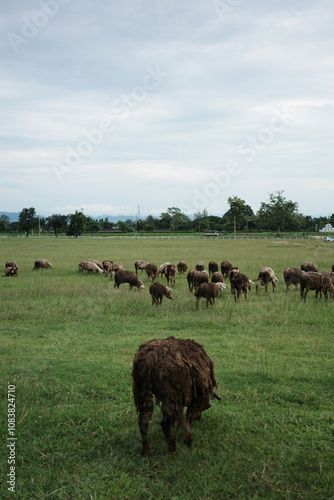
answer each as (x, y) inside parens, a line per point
(107, 106)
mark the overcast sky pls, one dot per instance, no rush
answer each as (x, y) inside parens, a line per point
(107, 106)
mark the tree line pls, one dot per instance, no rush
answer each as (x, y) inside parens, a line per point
(275, 215)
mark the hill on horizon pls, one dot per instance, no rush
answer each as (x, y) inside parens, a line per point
(14, 217)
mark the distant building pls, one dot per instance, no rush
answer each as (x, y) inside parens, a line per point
(327, 229)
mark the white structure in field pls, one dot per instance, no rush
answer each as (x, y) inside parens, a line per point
(327, 229)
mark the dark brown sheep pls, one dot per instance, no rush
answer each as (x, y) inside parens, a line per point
(213, 267)
(217, 277)
(315, 281)
(308, 266)
(11, 263)
(182, 266)
(266, 276)
(140, 265)
(199, 266)
(127, 277)
(180, 374)
(240, 283)
(195, 278)
(208, 291)
(151, 270)
(11, 271)
(42, 264)
(158, 291)
(107, 266)
(225, 267)
(170, 273)
(292, 276)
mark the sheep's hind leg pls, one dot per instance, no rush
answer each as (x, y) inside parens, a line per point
(144, 419)
(167, 425)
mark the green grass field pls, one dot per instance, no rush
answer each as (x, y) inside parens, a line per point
(67, 344)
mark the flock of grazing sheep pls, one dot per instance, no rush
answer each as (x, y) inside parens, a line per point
(307, 276)
(178, 373)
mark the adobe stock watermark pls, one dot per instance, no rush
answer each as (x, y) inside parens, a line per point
(250, 149)
(30, 27)
(120, 109)
(225, 7)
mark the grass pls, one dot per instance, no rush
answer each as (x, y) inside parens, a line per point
(68, 341)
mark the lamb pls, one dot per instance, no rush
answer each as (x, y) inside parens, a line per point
(195, 278)
(213, 267)
(292, 275)
(157, 291)
(315, 281)
(128, 277)
(225, 267)
(308, 266)
(182, 266)
(199, 266)
(179, 373)
(42, 264)
(217, 277)
(170, 273)
(140, 265)
(240, 283)
(90, 267)
(209, 291)
(11, 271)
(151, 270)
(266, 276)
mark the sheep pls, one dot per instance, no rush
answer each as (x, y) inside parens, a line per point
(179, 373)
(151, 270)
(128, 277)
(209, 291)
(195, 278)
(266, 276)
(140, 265)
(231, 271)
(90, 267)
(162, 268)
(11, 263)
(11, 271)
(107, 266)
(170, 273)
(333, 268)
(199, 266)
(315, 281)
(217, 277)
(42, 264)
(240, 283)
(225, 266)
(213, 267)
(292, 275)
(308, 266)
(182, 266)
(116, 266)
(97, 263)
(157, 291)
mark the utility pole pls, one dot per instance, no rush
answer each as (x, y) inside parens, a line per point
(137, 219)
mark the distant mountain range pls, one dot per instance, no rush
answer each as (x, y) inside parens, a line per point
(14, 217)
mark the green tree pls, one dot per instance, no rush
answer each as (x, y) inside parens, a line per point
(4, 223)
(58, 223)
(77, 224)
(28, 220)
(278, 214)
(238, 210)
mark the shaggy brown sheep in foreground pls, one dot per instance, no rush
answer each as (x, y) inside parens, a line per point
(180, 374)
(42, 264)
(209, 291)
(157, 291)
(127, 277)
(266, 276)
